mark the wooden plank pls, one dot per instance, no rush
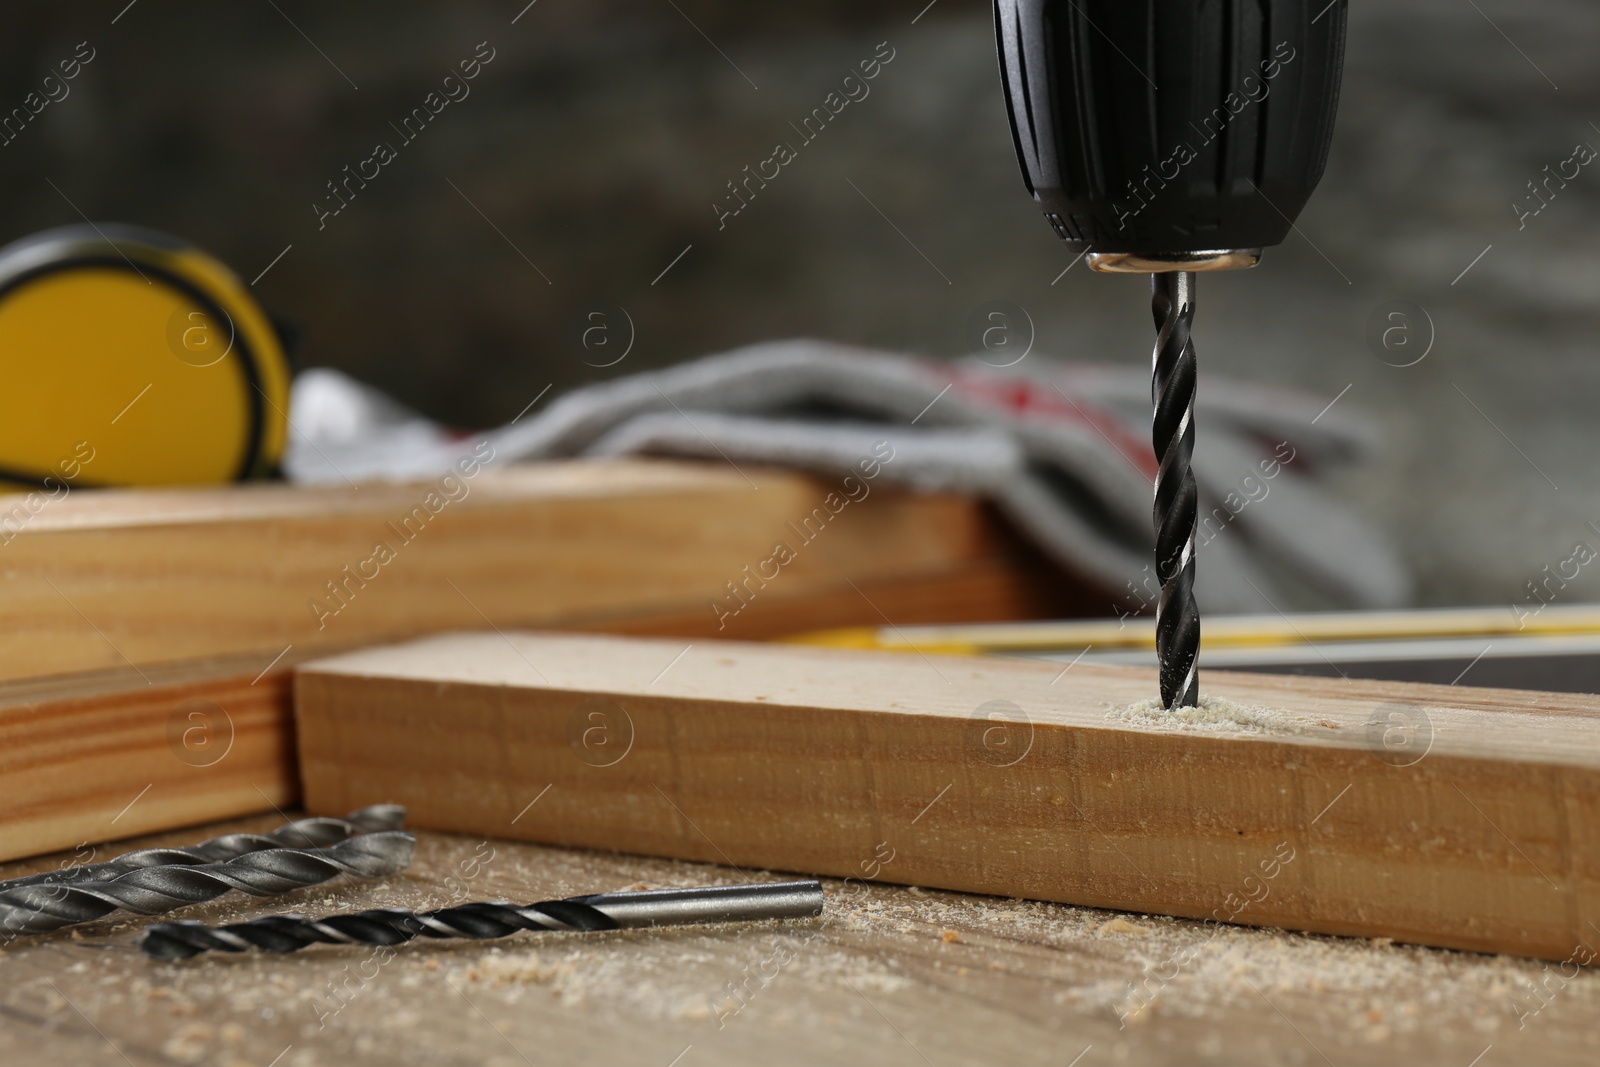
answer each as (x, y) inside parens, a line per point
(1438, 815)
(120, 753)
(886, 973)
(159, 577)
(108, 579)
(1015, 582)
(117, 730)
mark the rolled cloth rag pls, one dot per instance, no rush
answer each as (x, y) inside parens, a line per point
(1064, 452)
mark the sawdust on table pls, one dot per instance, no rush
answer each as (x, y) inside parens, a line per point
(1040, 959)
(1178, 968)
(1184, 968)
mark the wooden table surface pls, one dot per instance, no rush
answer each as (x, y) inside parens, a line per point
(890, 975)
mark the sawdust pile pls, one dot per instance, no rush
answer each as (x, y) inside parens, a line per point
(1033, 964)
(1216, 715)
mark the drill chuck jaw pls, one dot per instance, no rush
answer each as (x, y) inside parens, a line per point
(1202, 259)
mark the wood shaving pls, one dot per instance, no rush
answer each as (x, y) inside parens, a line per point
(1213, 715)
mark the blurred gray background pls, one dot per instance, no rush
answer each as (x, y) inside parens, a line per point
(591, 150)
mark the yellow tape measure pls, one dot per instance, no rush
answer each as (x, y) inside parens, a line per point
(128, 357)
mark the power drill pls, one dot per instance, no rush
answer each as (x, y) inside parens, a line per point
(1169, 137)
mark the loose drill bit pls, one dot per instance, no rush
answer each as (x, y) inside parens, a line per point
(33, 909)
(601, 911)
(1176, 504)
(317, 832)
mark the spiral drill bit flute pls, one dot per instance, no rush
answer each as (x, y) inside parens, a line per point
(40, 907)
(312, 832)
(1177, 501)
(1171, 138)
(482, 921)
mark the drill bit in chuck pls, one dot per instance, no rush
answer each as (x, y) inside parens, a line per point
(601, 911)
(1176, 504)
(316, 832)
(33, 909)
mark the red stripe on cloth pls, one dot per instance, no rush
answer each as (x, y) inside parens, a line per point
(1023, 398)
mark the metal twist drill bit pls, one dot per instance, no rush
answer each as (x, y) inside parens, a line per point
(601, 911)
(316, 832)
(33, 909)
(1176, 503)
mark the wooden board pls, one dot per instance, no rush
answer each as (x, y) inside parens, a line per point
(120, 753)
(162, 577)
(117, 578)
(892, 976)
(1446, 816)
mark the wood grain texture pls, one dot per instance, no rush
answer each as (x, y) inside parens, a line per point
(107, 579)
(892, 976)
(121, 753)
(126, 589)
(1437, 815)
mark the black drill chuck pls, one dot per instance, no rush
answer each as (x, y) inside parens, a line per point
(1149, 131)
(1172, 136)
